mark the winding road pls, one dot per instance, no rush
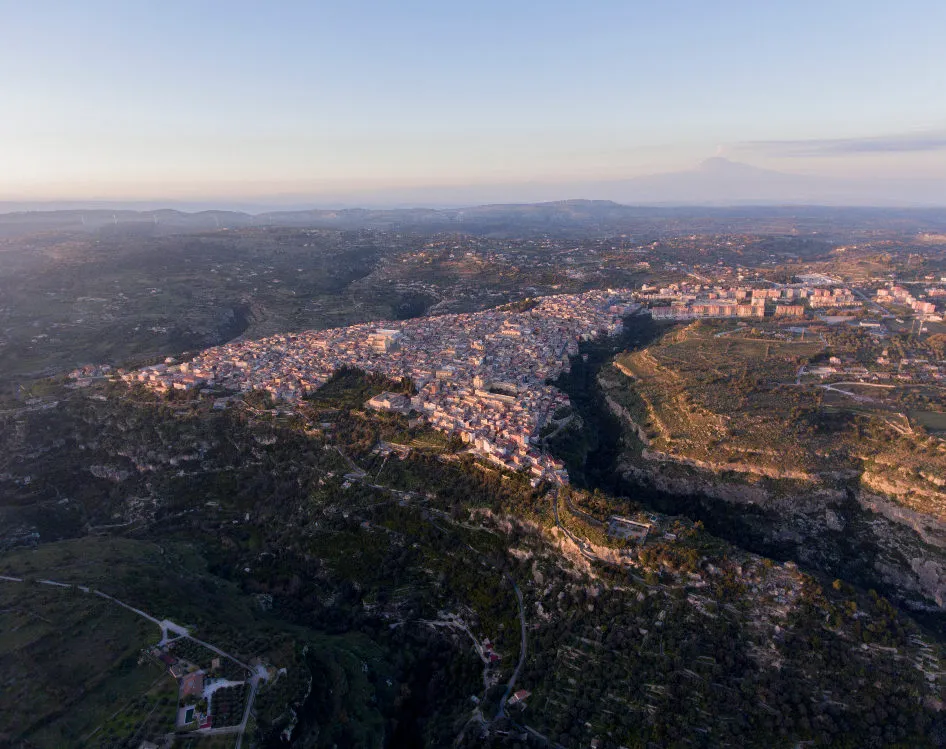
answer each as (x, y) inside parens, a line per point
(580, 543)
(167, 626)
(523, 649)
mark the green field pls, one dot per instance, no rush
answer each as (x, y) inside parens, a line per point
(71, 670)
(933, 421)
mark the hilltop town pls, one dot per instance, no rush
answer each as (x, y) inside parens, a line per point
(482, 376)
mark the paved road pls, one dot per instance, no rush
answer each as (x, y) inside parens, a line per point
(523, 649)
(580, 543)
(239, 728)
(849, 394)
(584, 515)
(871, 302)
(166, 625)
(218, 651)
(356, 470)
(147, 616)
(29, 409)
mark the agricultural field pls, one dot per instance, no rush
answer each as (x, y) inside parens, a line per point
(225, 741)
(932, 421)
(206, 659)
(129, 296)
(708, 396)
(227, 704)
(744, 401)
(72, 670)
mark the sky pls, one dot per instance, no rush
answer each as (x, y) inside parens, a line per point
(136, 99)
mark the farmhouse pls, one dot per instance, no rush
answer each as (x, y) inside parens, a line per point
(192, 684)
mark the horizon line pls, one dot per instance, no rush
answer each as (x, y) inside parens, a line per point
(198, 206)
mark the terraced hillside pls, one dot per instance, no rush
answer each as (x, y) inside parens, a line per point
(735, 412)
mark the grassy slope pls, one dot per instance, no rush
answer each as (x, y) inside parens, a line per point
(70, 665)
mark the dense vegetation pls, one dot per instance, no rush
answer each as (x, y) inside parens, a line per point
(333, 542)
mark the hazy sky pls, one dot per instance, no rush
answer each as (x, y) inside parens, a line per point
(159, 99)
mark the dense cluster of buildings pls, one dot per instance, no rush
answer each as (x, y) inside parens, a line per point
(691, 301)
(482, 376)
(900, 295)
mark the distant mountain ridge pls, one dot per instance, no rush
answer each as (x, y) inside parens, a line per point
(717, 181)
(575, 216)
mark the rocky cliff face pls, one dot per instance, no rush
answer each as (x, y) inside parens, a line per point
(863, 533)
(867, 534)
